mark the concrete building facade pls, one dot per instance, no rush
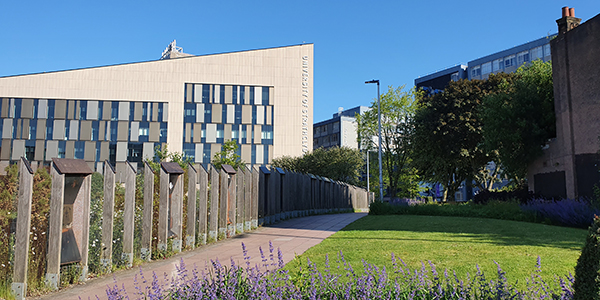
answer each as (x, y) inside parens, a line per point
(339, 131)
(261, 98)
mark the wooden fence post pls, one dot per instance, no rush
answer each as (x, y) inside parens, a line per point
(163, 211)
(146, 251)
(55, 228)
(240, 208)
(214, 205)
(128, 216)
(177, 211)
(108, 209)
(202, 204)
(247, 199)
(21, 259)
(190, 234)
(255, 197)
(223, 204)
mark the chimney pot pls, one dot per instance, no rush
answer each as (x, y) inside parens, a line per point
(572, 12)
(565, 11)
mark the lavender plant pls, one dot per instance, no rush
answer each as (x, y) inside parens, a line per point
(269, 280)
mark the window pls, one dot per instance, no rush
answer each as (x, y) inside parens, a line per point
(220, 131)
(476, 71)
(536, 53)
(486, 68)
(547, 51)
(163, 132)
(238, 114)
(114, 111)
(32, 129)
(144, 131)
(145, 111)
(242, 95)
(265, 95)
(113, 130)
(83, 110)
(497, 65)
(509, 61)
(95, 128)
(206, 154)
(221, 94)
(207, 113)
(189, 150)
(61, 149)
(206, 93)
(190, 113)
(234, 94)
(29, 152)
(522, 57)
(51, 104)
(251, 95)
(454, 77)
(134, 152)
(79, 149)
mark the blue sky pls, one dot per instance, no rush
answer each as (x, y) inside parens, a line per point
(355, 41)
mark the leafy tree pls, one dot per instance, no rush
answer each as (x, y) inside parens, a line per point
(163, 154)
(228, 156)
(337, 163)
(397, 110)
(448, 140)
(519, 120)
(587, 270)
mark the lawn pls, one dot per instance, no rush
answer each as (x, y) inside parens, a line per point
(454, 243)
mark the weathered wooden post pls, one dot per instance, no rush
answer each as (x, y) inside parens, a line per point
(21, 260)
(128, 215)
(146, 249)
(239, 212)
(108, 209)
(247, 199)
(190, 230)
(255, 197)
(231, 199)
(69, 219)
(213, 219)
(223, 189)
(202, 204)
(263, 196)
(170, 206)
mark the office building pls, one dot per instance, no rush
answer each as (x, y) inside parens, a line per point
(261, 98)
(339, 131)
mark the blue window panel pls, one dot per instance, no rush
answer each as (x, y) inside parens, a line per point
(220, 133)
(100, 109)
(265, 96)
(83, 110)
(251, 91)
(49, 129)
(145, 111)
(234, 95)
(253, 155)
(224, 114)
(98, 147)
(32, 130)
(222, 94)
(207, 113)
(206, 93)
(95, 130)
(163, 132)
(114, 126)
(134, 152)
(189, 151)
(62, 145)
(79, 149)
(238, 114)
(51, 105)
(160, 112)
(114, 111)
(68, 130)
(18, 103)
(253, 114)
(112, 153)
(242, 95)
(206, 154)
(131, 111)
(189, 113)
(144, 131)
(266, 152)
(35, 108)
(15, 126)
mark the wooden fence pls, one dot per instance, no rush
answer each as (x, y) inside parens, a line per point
(220, 204)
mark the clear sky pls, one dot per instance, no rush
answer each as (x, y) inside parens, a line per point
(355, 41)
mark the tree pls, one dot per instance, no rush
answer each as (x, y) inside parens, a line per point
(163, 154)
(337, 163)
(519, 120)
(228, 156)
(397, 110)
(447, 140)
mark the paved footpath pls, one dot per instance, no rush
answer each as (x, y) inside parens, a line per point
(292, 236)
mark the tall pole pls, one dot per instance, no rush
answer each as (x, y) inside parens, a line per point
(379, 139)
(368, 183)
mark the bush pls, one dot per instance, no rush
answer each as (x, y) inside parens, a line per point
(271, 281)
(521, 194)
(567, 212)
(587, 271)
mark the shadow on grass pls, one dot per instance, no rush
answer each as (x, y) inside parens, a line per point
(467, 230)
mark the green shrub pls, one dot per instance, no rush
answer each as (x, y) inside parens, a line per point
(587, 271)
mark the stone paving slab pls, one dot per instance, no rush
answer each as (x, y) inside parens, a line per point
(293, 237)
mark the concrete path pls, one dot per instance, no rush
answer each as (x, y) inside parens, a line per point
(291, 236)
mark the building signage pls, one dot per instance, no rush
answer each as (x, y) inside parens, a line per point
(305, 95)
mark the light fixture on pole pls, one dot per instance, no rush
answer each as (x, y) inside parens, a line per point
(379, 139)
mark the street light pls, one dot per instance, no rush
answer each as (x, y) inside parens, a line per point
(379, 135)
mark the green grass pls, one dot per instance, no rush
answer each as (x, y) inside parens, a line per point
(454, 243)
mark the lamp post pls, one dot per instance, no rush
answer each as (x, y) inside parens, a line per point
(379, 139)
